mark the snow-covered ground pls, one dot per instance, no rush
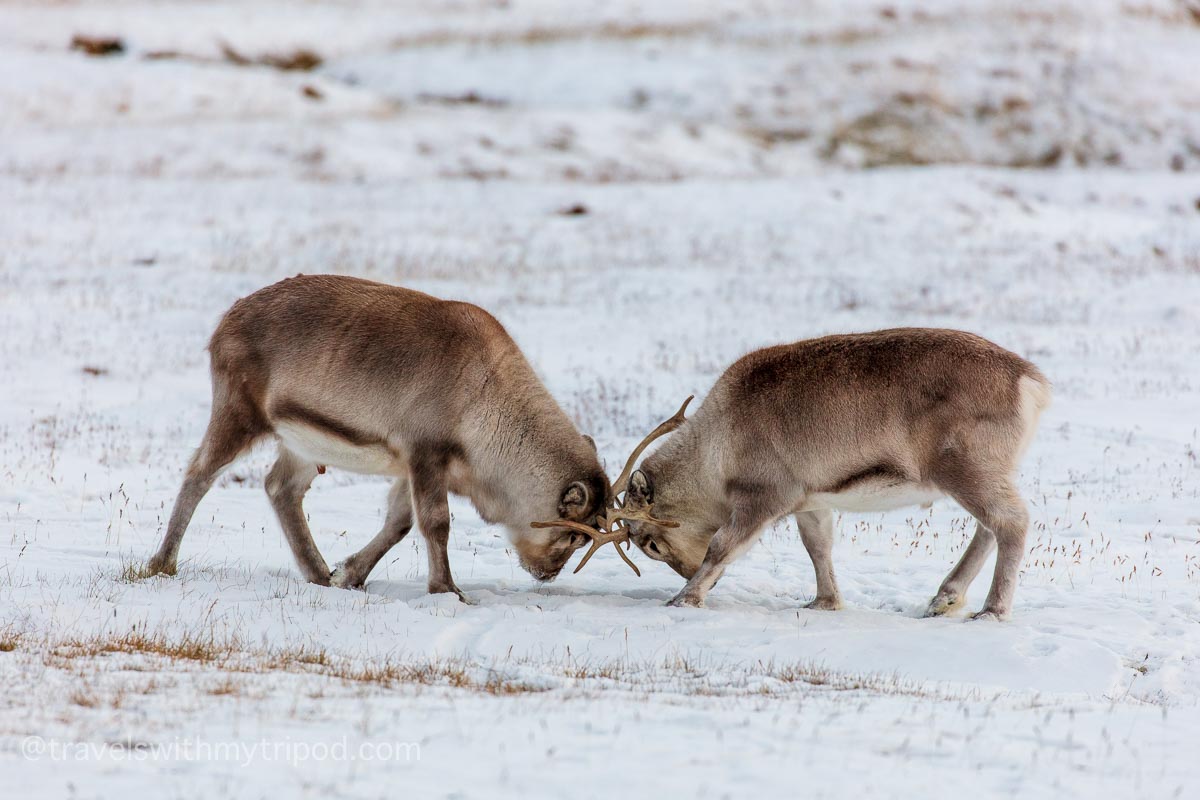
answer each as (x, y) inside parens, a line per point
(714, 151)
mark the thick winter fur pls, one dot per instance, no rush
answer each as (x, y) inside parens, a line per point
(858, 422)
(378, 379)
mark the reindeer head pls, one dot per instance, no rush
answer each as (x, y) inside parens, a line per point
(613, 525)
(680, 545)
(580, 505)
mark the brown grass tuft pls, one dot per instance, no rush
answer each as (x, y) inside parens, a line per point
(84, 698)
(135, 572)
(98, 45)
(544, 34)
(189, 647)
(226, 688)
(9, 640)
(298, 60)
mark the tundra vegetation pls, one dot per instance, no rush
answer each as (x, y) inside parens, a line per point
(640, 195)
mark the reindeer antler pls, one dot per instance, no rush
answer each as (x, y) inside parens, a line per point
(664, 427)
(599, 539)
(611, 527)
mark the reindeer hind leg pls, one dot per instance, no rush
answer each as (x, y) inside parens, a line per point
(234, 426)
(953, 590)
(986, 490)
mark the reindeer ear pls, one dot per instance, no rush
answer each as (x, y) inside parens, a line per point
(575, 501)
(640, 491)
(591, 442)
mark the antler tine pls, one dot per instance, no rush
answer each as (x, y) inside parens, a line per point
(599, 539)
(665, 427)
(567, 523)
(639, 515)
(616, 537)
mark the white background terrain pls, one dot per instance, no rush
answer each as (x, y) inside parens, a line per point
(742, 175)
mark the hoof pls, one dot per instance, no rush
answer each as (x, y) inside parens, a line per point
(989, 615)
(943, 604)
(454, 590)
(341, 578)
(685, 601)
(156, 567)
(825, 604)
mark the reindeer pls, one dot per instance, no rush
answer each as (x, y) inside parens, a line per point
(861, 422)
(381, 380)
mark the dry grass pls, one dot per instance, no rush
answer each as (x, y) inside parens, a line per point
(136, 572)
(299, 60)
(226, 688)
(97, 45)
(188, 646)
(9, 640)
(819, 675)
(547, 34)
(456, 673)
(676, 674)
(230, 655)
(84, 698)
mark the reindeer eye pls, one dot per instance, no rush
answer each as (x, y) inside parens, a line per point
(654, 546)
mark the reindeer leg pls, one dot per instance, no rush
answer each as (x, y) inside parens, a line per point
(1008, 518)
(286, 484)
(352, 573)
(429, 489)
(953, 590)
(997, 506)
(733, 539)
(816, 531)
(233, 427)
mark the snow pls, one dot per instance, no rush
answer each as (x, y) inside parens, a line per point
(139, 198)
